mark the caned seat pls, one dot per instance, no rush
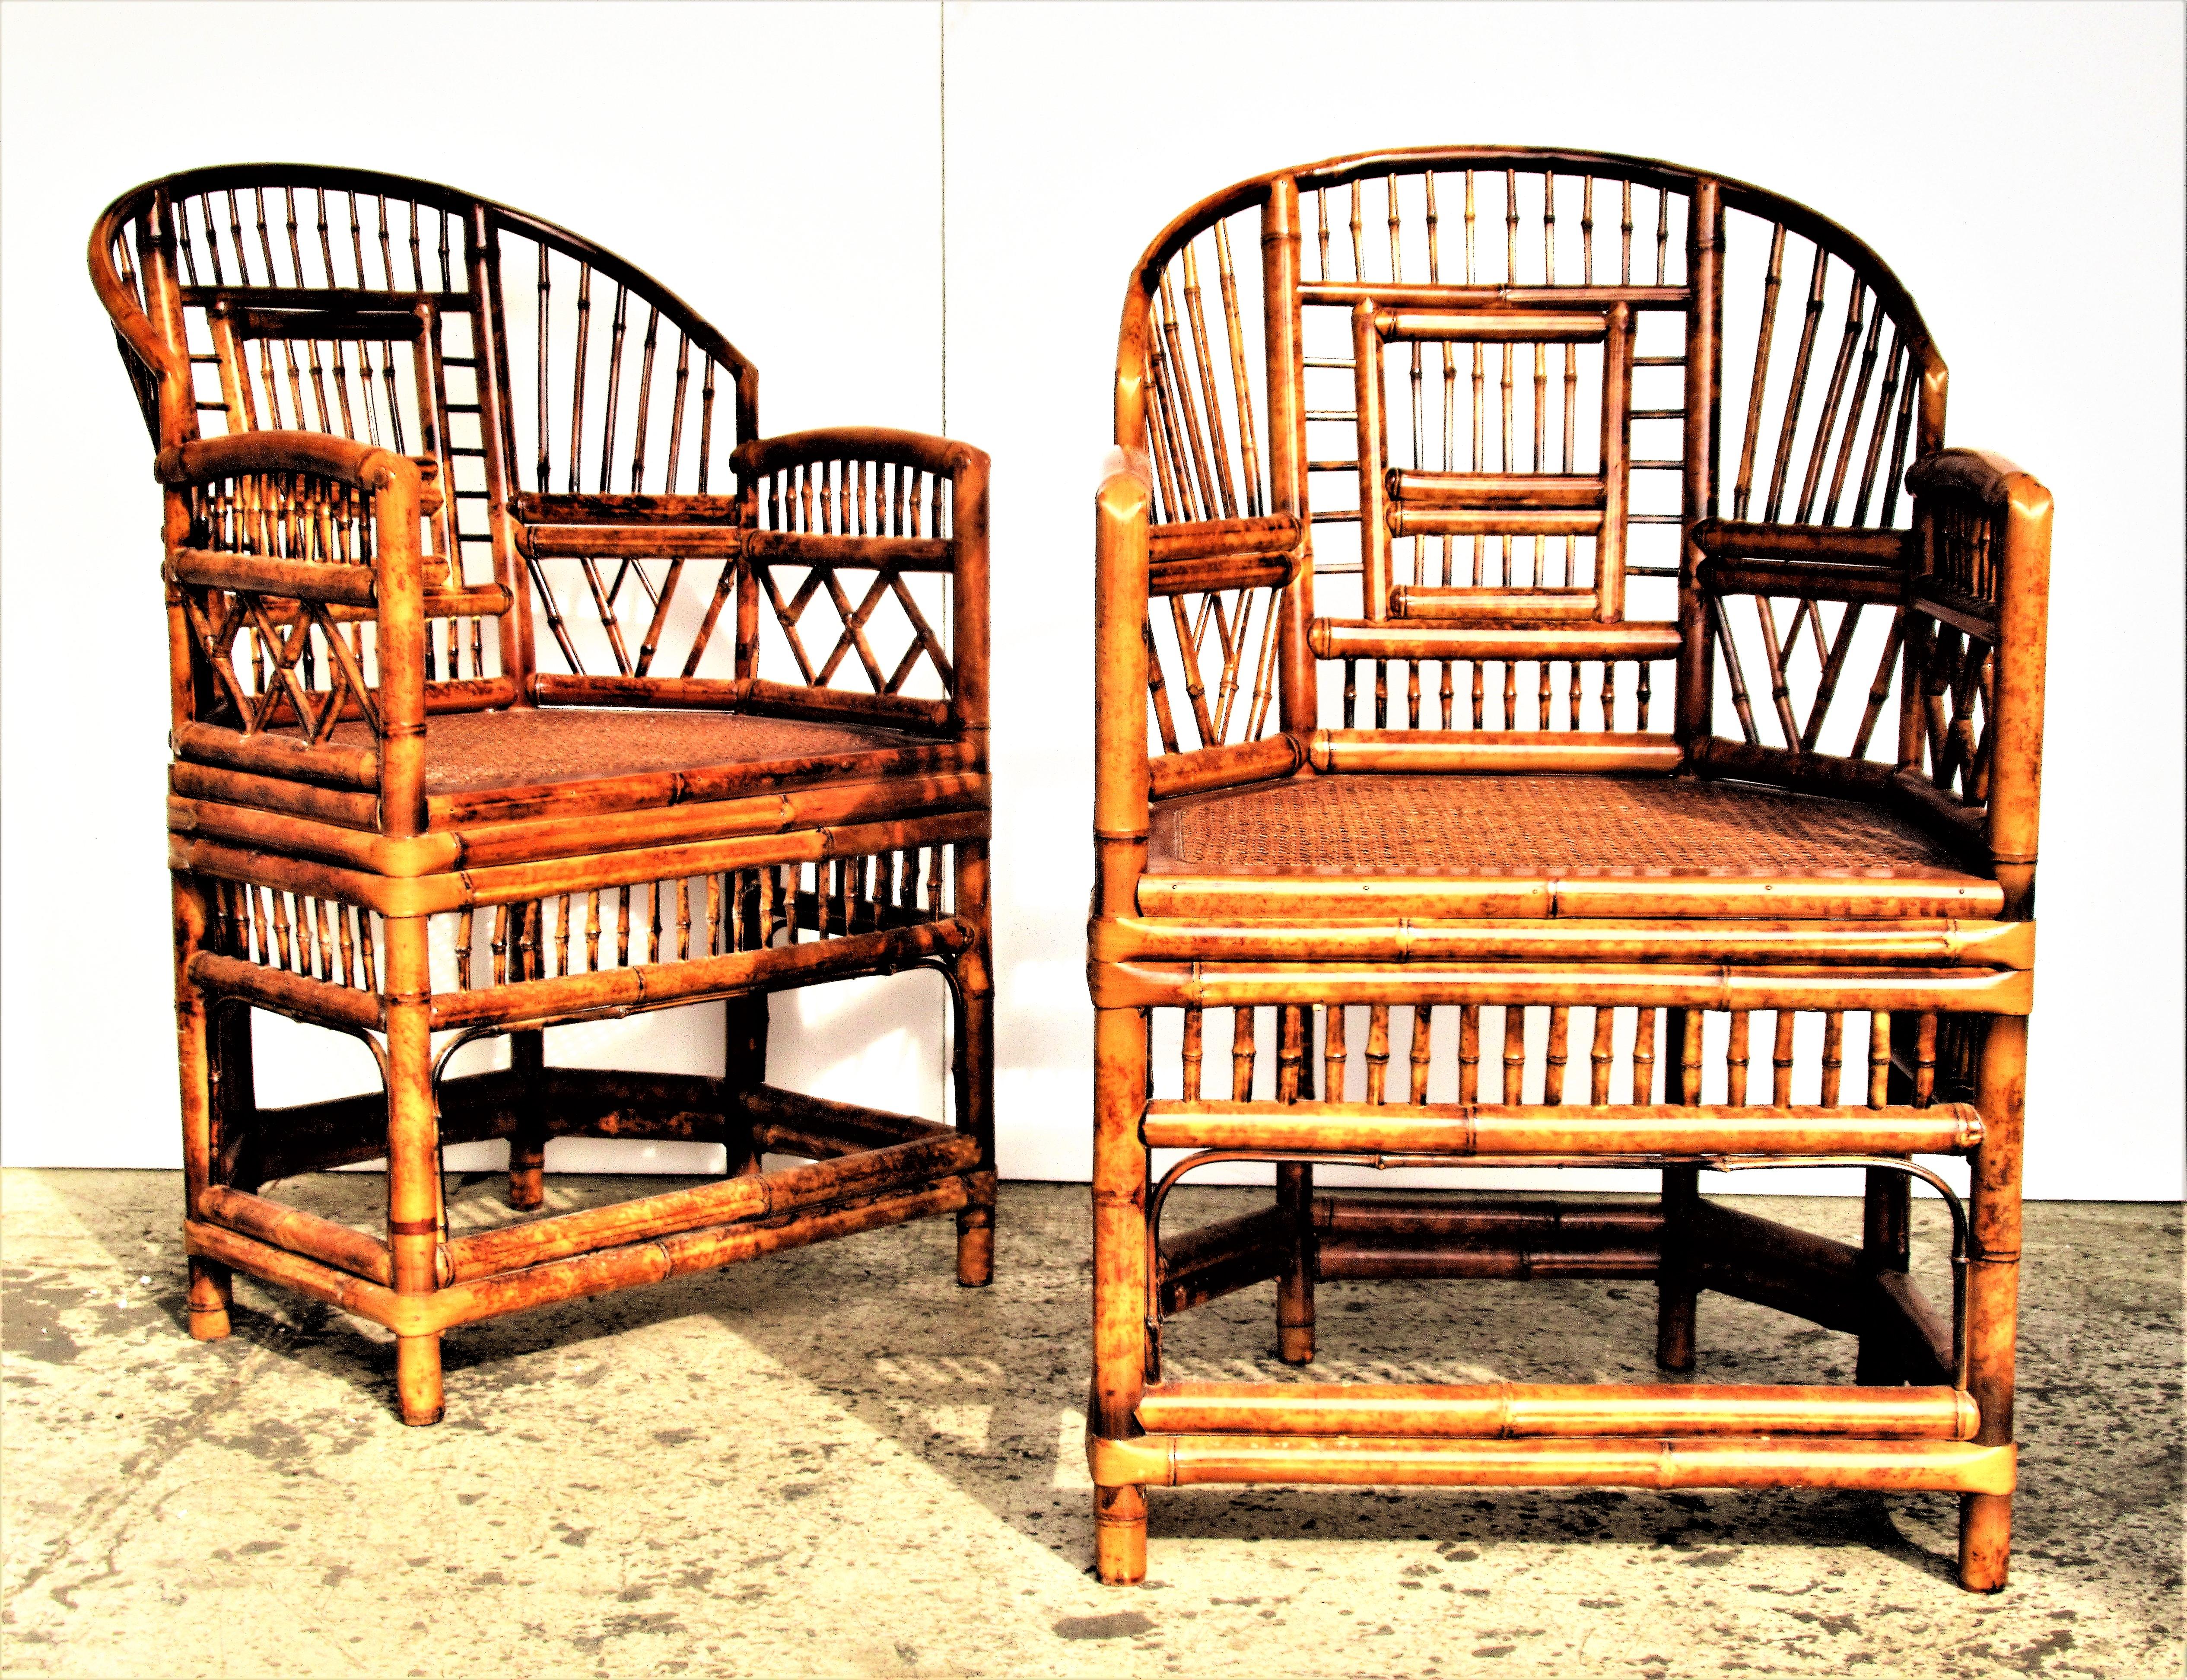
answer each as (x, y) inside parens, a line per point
(517, 681)
(517, 754)
(1559, 705)
(1461, 843)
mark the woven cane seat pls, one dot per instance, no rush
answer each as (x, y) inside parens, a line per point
(1534, 827)
(467, 751)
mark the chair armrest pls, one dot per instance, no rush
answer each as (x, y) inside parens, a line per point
(1985, 525)
(365, 465)
(280, 548)
(1977, 475)
(943, 456)
(894, 537)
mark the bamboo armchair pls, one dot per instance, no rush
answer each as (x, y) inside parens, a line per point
(1477, 694)
(517, 682)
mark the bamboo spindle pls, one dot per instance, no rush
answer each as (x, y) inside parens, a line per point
(527, 1143)
(1294, 1198)
(1678, 1294)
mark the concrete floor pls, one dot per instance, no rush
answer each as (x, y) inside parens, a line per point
(834, 1462)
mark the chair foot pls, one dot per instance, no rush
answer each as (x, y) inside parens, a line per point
(527, 1187)
(1120, 1536)
(418, 1379)
(1985, 1542)
(211, 1292)
(1295, 1343)
(975, 1248)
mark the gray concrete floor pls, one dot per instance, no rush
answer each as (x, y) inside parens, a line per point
(835, 1461)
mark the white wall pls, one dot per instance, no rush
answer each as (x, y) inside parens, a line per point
(2018, 165)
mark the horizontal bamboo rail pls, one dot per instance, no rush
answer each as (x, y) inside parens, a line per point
(1739, 539)
(758, 1196)
(1605, 985)
(1183, 1460)
(292, 1228)
(1224, 767)
(834, 804)
(1271, 537)
(1456, 604)
(1509, 1410)
(1991, 944)
(1432, 519)
(1387, 638)
(1478, 1218)
(354, 586)
(1500, 326)
(1219, 1259)
(1361, 1257)
(818, 549)
(534, 508)
(1460, 1129)
(740, 693)
(1489, 752)
(1313, 900)
(426, 895)
(1452, 296)
(1488, 491)
(769, 1107)
(285, 993)
(1203, 576)
(700, 784)
(270, 755)
(643, 1263)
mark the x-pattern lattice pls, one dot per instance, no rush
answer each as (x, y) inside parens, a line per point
(887, 583)
(284, 660)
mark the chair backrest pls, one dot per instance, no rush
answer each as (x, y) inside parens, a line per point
(1612, 423)
(524, 361)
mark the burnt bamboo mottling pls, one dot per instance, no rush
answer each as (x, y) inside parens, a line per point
(1558, 692)
(516, 680)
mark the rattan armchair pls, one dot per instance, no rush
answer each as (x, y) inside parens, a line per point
(516, 681)
(1559, 705)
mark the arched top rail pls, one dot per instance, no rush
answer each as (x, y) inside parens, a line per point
(285, 222)
(1675, 179)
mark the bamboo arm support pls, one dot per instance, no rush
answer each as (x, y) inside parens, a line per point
(1739, 539)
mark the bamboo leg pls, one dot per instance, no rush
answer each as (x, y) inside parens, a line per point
(211, 1291)
(1120, 1278)
(1993, 1291)
(414, 1160)
(1676, 1296)
(527, 1145)
(1295, 1196)
(745, 1066)
(1887, 1200)
(1886, 1245)
(975, 1064)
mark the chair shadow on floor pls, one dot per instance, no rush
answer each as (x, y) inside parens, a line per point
(986, 1388)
